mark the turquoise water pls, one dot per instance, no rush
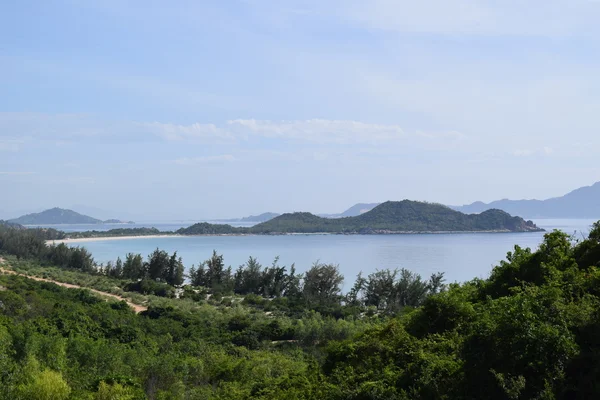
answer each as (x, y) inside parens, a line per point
(460, 256)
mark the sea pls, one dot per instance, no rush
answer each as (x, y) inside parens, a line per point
(460, 256)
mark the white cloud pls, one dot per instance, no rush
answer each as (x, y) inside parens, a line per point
(319, 130)
(195, 131)
(546, 151)
(69, 129)
(479, 17)
(324, 131)
(204, 160)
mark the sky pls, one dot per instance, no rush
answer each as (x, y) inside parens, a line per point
(215, 109)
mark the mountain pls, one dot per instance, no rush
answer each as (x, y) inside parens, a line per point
(355, 210)
(359, 209)
(260, 218)
(55, 216)
(580, 203)
(398, 216)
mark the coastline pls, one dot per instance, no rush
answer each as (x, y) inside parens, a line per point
(105, 238)
(163, 236)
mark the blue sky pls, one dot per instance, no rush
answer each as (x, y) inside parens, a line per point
(188, 109)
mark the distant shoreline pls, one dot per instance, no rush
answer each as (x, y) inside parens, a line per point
(163, 236)
(105, 238)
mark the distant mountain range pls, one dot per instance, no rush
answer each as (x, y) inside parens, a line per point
(580, 203)
(58, 216)
(353, 211)
(260, 218)
(388, 217)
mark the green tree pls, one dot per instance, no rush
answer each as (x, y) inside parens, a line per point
(157, 265)
(133, 268)
(46, 385)
(114, 391)
(322, 285)
(174, 272)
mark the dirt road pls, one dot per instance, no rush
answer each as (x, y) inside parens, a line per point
(137, 308)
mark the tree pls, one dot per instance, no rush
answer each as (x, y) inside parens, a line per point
(118, 270)
(249, 278)
(292, 284)
(274, 280)
(322, 284)
(81, 259)
(46, 385)
(353, 298)
(212, 274)
(157, 265)
(410, 290)
(113, 392)
(174, 273)
(133, 267)
(59, 255)
(380, 288)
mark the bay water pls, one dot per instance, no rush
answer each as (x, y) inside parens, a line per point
(460, 256)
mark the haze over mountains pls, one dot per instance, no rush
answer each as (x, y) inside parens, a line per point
(580, 203)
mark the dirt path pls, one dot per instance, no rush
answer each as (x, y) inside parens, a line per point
(137, 308)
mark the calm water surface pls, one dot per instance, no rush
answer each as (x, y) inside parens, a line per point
(460, 256)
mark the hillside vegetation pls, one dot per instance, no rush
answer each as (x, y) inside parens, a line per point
(388, 217)
(529, 331)
(398, 216)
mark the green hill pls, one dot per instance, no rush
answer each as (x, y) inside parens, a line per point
(55, 216)
(399, 216)
(389, 217)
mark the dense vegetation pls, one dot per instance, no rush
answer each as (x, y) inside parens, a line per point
(7, 224)
(398, 216)
(118, 232)
(529, 331)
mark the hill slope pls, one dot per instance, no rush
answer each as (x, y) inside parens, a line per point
(260, 218)
(359, 209)
(55, 216)
(355, 210)
(580, 203)
(398, 216)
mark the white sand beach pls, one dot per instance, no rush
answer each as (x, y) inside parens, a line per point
(104, 238)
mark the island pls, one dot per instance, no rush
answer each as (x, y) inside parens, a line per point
(61, 216)
(387, 218)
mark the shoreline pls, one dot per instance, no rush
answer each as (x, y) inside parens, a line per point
(106, 238)
(164, 236)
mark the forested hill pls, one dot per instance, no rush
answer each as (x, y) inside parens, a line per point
(56, 216)
(398, 216)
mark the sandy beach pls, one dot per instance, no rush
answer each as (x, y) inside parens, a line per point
(104, 238)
